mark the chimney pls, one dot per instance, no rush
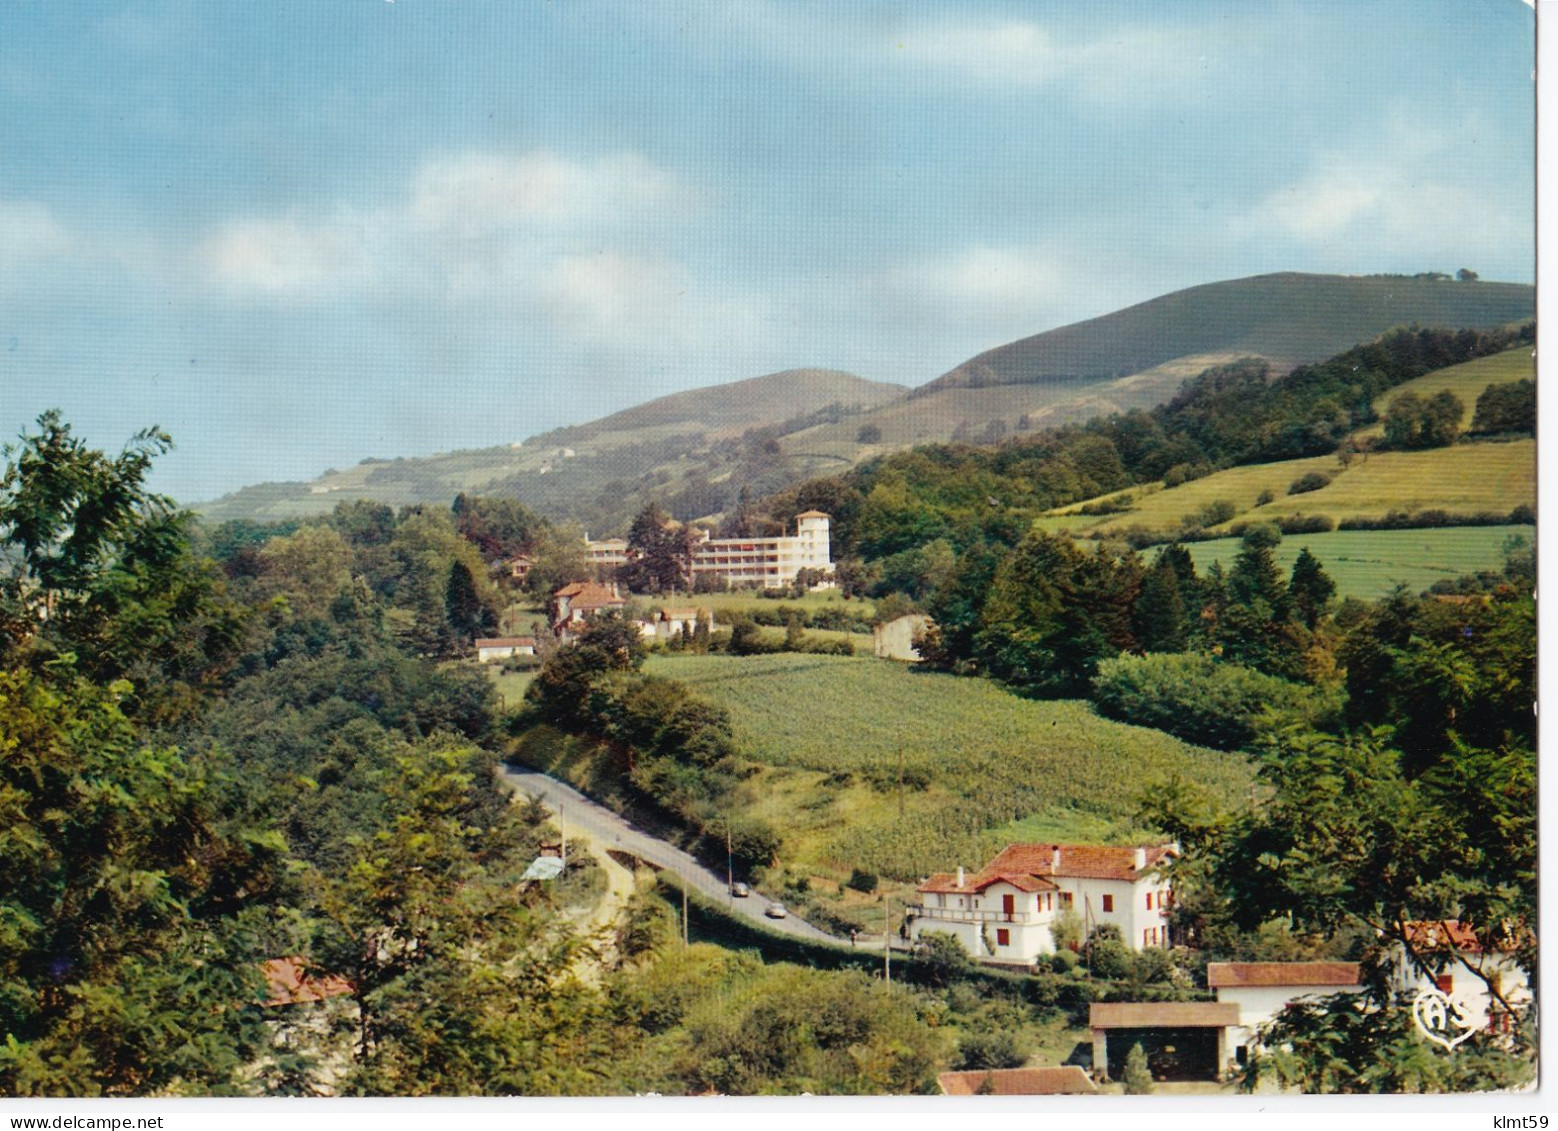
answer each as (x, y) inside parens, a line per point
(1054, 863)
(1141, 859)
(960, 875)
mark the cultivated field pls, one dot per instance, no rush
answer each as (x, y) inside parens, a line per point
(832, 733)
(1460, 479)
(1368, 564)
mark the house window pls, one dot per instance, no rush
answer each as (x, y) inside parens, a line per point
(1003, 937)
(1065, 900)
(941, 901)
(1108, 903)
(1443, 983)
(1149, 901)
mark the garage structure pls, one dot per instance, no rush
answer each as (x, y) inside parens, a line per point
(1183, 1040)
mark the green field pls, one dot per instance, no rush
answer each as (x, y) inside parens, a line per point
(1368, 564)
(830, 734)
(749, 601)
(1461, 479)
(1466, 381)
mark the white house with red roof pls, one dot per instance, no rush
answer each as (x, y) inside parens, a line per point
(577, 601)
(1262, 990)
(1007, 909)
(1473, 972)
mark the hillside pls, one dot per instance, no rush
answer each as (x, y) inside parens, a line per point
(589, 472)
(1287, 318)
(1466, 381)
(1463, 479)
(828, 734)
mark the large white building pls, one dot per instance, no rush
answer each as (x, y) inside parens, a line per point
(769, 562)
(1007, 910)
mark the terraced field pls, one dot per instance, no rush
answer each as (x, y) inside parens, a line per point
(868, 764)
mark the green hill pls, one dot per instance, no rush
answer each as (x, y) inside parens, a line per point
(1287, 318)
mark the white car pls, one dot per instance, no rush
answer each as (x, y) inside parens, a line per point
(740, 890)
(775, 911)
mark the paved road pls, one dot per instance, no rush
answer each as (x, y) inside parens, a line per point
(609, 831)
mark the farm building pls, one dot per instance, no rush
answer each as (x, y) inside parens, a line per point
(1007, 910)
(493, 648)
(895, 639)
(1261, 990)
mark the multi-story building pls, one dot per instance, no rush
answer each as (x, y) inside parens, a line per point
(769, 562)
(1008, 909)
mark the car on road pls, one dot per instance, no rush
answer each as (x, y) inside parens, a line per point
(775, 911)
(740, 890)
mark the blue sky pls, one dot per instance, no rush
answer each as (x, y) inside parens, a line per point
(299, 234)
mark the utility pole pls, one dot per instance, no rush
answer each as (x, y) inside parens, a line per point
(730, 868)
(684, 912)
(900, 781)
(562, 825)
(887, 940)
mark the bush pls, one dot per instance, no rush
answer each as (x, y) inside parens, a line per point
(1215, 513)
(1063, 961)
(1306, 524)
(1312, 481)
(1119, 504)
(1264, 497)
(990, 1048)
(1201, 700)
(1184, 472)
(862, 881)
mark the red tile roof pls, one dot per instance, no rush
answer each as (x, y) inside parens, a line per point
(293, 981)
(572, 588)
(813, 514)
(1230, 974)
(947, 882)
(588, 595)
(1443, 934)
(1060, 1080)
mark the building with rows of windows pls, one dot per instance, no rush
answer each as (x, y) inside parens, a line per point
(767, 562)
(1006, 910)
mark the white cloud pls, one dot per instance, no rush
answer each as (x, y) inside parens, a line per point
(474, 194)
(30, 232)
(288, 257)
(1407, 192)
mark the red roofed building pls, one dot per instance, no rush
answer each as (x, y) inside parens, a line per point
(577, 601)
(1472, 975)
(1006, 910)
(294, 981)
(1058, 1080)
(1262, 990)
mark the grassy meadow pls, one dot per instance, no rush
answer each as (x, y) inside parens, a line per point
(1368, 564)
(1460, 479)
(1466, 381)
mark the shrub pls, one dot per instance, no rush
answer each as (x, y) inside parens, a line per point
(1264, 497)
(868, 434)
(1063, 961)
(1119, 504)
(1138, 1079)
(862, 881)
(1306, 524)
(1215, 513)
(1184, 472)
(1201, 700)
(1311, 481)
(990, 1048)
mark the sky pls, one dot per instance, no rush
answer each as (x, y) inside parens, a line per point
(296, 235)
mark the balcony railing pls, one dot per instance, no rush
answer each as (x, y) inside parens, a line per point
(974, 915)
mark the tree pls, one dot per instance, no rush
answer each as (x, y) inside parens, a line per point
(468, 617)
(1138, 1079)
(1466, 275)
(1310, 588)
(1160, 610)
(1505, 408)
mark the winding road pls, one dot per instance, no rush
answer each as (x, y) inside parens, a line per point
(608, 831)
